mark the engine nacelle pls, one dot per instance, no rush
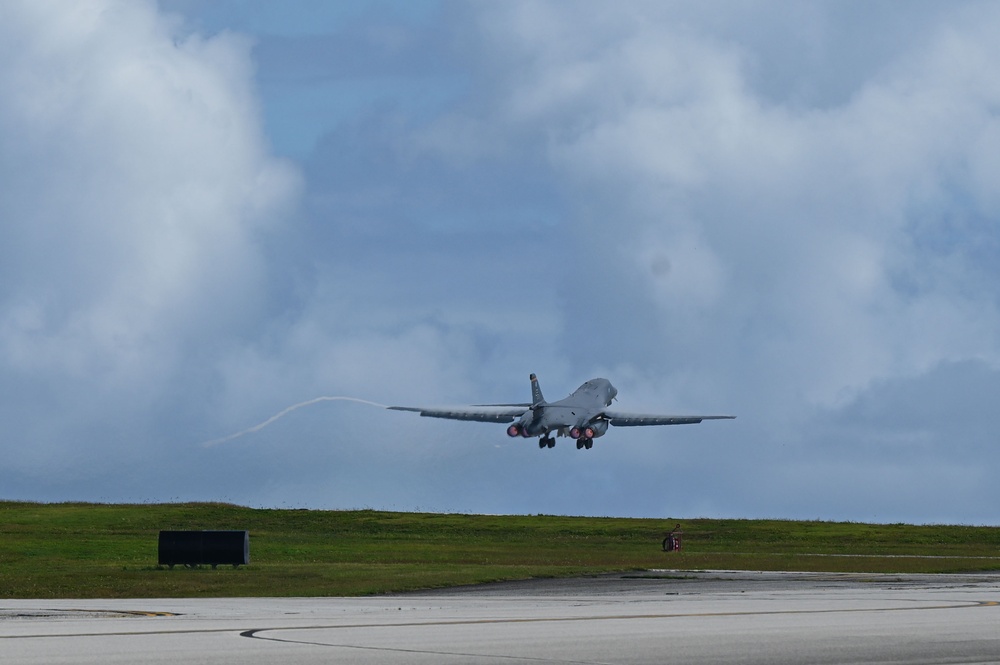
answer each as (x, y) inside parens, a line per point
(595, 429)
(591, 430)
(520, 429)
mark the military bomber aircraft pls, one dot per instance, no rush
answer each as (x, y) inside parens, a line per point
(583, 416)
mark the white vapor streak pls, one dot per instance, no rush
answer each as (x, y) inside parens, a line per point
(285, 412)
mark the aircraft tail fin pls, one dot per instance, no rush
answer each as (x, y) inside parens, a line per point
(536, 392)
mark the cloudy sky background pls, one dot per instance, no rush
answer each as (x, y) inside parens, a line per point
(212, 210)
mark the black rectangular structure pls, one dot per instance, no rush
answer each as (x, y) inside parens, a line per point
(193, 548)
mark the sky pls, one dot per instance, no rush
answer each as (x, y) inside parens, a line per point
(213, 210)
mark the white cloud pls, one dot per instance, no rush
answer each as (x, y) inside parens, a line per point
(784, 252)
(808, 213)
(788, 213)
(137, 193)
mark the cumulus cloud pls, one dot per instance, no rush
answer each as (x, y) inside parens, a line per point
(137, 192)
(782, 249)
(785, 212)
(714, 196)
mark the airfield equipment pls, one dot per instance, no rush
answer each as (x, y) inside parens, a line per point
(193, 548)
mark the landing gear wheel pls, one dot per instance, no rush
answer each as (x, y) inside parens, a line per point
(588, 444)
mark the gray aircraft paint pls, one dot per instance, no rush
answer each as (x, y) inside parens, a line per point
(583, 415)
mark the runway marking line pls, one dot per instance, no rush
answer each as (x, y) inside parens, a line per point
(137, 613)
(43, 612)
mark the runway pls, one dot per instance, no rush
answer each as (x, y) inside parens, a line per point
(651, 617)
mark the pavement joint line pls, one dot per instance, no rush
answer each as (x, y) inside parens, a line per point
(252, 633)
(617, 617)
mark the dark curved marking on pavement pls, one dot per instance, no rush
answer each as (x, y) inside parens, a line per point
(252, 634)
(256, 632)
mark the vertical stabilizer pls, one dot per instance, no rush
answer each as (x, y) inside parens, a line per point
(536, 392)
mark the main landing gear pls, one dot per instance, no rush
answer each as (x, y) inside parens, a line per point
(550, 442)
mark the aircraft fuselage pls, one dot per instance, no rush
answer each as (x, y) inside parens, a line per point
(577, 416)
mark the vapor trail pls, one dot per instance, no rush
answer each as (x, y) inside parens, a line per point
(285, 412)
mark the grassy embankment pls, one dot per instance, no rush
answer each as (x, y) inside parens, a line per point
(98, 550)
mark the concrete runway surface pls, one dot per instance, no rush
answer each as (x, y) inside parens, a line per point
(651, 617)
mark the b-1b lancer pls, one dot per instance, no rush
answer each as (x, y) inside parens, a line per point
(583, 416)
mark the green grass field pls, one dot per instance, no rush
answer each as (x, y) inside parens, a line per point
(110, 551)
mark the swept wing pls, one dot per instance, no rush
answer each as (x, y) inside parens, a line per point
(619, 419)
(483, 414)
